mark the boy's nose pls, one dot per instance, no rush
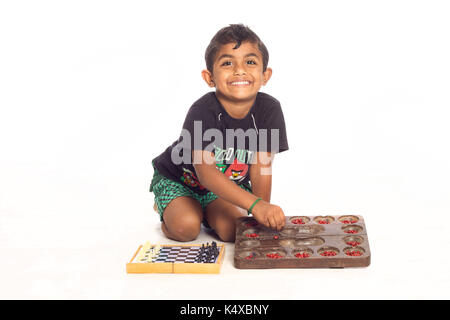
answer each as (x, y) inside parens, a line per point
(239, 70)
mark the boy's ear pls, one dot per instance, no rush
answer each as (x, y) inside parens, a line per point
(207, 76)
(266, 75)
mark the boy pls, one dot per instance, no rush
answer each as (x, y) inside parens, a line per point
(199, 178)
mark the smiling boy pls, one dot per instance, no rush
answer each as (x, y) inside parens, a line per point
(199, 178)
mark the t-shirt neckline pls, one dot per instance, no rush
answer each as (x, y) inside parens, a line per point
(222, 108)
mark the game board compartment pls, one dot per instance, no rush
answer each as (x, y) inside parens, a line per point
(248, 254)
(287, 231)
(323, 219)
(349, 250)
(328, 251)
(302, 250)
(313, 241)
(349, 219)
(248, 222)
(289, 242)
(353, 240)
(249, 243)
(311, 229)
(279, 253)
(252, 232)
(299, 220)
(352, 229)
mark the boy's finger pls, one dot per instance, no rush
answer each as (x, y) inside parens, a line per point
(265, 223)
(280, 219)
(279, 222)
(272, 222)
(283, 219)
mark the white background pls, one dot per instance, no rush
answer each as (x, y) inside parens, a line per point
(92, 91)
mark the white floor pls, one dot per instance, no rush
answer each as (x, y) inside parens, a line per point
(69, 256)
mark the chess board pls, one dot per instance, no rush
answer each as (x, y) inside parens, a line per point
(175, 259)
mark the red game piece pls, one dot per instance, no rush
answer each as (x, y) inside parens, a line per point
(274, 256)
(348, 221)
(302, 255)
(252, 235)
(328, 253)
(353, 253)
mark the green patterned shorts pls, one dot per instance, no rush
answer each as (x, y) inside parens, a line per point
(165, 190)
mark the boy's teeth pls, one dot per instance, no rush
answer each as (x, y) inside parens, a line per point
(239, 82)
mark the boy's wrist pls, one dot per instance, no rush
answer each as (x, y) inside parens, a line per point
(256, 208)
(250, 210)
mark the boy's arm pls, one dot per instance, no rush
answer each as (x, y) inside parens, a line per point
(261, 175)
(204, 163)
(216, 182)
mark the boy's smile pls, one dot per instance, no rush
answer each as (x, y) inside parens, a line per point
(237, 75)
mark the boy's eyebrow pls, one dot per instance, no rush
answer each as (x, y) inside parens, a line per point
(226, 55)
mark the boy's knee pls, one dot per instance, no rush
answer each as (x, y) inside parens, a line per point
(187, 233)
(186, 229)
(226, 235)
(226, 231)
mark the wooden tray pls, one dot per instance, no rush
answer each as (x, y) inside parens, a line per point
(304, 242)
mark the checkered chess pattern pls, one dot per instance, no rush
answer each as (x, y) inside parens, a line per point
(179, 255)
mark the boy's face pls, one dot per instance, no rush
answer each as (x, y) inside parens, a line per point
(238, 73)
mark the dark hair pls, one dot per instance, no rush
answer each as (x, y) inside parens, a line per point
(234, 33)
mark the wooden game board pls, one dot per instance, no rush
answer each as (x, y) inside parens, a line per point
(173, 259)
(304, 242)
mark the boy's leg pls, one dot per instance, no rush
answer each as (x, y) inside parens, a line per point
(221, 216)
(182, 219)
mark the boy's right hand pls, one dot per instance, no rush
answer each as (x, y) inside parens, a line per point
(269, 215)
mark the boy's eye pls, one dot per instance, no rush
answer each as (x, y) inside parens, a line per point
(228, 63)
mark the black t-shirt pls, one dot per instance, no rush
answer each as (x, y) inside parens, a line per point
(234, 142)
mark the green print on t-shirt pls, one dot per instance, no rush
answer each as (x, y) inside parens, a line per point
(228, 155)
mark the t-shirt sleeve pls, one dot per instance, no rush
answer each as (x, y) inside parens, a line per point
(273, 138)
(199, 128)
